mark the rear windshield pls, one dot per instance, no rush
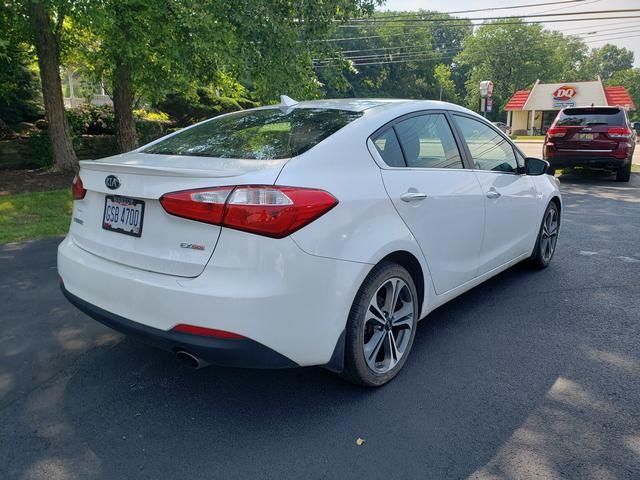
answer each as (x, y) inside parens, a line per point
(590, 116)
(257, 134)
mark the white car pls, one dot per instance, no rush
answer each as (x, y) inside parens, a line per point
(311, 233)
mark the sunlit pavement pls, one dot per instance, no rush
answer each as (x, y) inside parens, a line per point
(531, 375)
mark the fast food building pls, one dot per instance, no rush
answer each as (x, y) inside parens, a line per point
(533, 111)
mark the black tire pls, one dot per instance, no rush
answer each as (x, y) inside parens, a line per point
(356, 368)
(624, 173)
(539, 257)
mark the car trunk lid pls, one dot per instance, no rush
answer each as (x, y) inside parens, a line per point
(158, 242)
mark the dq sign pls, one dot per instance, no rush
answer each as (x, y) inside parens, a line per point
(564, 93)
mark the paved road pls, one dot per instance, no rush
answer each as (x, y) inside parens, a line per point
(531, 375)
(534, 149)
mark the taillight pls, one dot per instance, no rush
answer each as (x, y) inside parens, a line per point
(619, 132)
(77, 188)
(556, 132)
(271, 211)
(205, 332)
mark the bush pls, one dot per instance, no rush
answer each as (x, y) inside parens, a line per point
(142, 114)
(19, 87)
(185, 110)
(91, 120)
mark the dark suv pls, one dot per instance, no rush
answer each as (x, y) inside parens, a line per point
(599, 137)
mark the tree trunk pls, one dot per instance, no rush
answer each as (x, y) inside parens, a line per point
(48, 50)
(123, 97)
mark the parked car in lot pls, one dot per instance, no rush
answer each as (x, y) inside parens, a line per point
(503, 127)
(597, 137)
(311, 233)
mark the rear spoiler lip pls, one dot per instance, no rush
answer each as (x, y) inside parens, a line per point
(116, 167)
(111, 167)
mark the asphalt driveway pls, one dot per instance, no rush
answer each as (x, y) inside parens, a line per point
(531, 375)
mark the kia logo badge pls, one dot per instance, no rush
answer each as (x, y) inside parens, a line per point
(112, 182)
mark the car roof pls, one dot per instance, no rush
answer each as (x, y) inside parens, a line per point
(373, 104)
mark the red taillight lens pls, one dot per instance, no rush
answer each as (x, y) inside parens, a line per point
(205, 332)
(619, 132)
(77, 188)
(556, 132)
(204, 205)
(271, 211)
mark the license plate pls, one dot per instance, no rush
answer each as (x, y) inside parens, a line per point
(123, 215)
(585, 136)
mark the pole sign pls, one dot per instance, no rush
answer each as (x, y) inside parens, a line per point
(563, 96)
(486, 88)
(486, 94)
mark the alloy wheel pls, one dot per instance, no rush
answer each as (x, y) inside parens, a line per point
(388, 324)
(549, 234)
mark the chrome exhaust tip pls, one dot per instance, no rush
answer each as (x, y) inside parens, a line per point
(190, 361)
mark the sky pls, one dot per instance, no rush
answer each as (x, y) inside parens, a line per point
(600, 31)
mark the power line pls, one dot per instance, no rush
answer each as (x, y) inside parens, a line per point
(382, 56)
(571, 6)
(605, 34)
(404, 34)
(489, 9)
(431, 18)
(612, 38)
(585, 32)
(511, 21)
(437, 55)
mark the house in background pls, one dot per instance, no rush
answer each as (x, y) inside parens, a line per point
(76, 92)
(533, 111)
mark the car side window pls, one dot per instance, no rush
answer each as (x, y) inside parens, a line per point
(389, 148)
(489, 150)
(428, 142)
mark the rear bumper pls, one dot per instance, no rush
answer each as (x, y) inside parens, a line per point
(291, 306)
(567, 161)
(244, 352)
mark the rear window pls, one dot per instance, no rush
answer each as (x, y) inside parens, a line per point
(257, 134)
(590, 116)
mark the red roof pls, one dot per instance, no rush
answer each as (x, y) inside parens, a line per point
(618, 96)
(518, 100)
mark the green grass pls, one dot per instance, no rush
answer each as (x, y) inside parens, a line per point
(34, 215)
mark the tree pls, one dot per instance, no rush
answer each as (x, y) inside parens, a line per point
(40, 22)
(442, 74)
(392, 58)
(630, 79)
(148, 48)
(19, 86)
(608, 60)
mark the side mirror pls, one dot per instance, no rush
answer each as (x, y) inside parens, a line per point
(535, 166)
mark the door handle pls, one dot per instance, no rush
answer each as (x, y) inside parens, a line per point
(413, 196)
(493, 194)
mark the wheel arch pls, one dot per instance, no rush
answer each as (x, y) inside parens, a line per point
(406, 260)
(409, 262)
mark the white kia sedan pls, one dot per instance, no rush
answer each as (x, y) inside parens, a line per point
(310, 233)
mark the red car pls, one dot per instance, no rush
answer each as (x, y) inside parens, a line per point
(597, 137)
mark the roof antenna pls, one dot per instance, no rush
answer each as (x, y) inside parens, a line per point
(287, 101)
